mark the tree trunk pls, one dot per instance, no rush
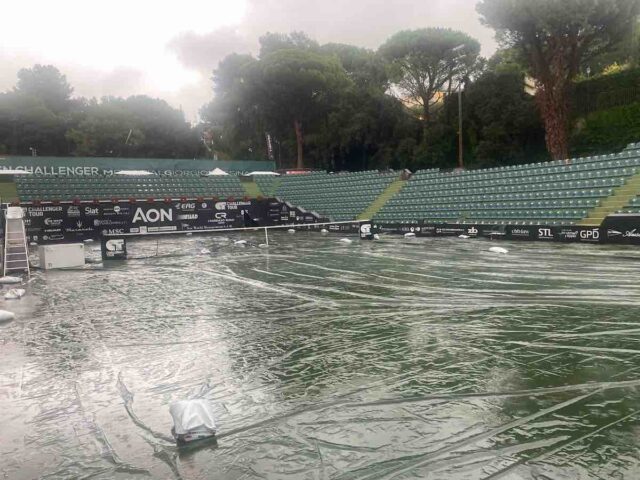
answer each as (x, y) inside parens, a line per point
(299, 141)
(552, 98)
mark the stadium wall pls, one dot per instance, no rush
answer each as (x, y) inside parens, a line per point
(82, 166)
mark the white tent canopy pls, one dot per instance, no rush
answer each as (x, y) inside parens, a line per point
(134, 172)
(262, 173)
(217, 171)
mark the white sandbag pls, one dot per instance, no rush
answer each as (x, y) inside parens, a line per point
(291, 230)
(324, 231)
(409, 235)
(346, 240)
(263, 245)
(498, 250)
(5, 316)
(205, 251)
(33, 244)
(9, 280)
(240, 243)
(88, 240)
(192, 420)
(14, 293)
(189, 234)
(463, 236)
(376, 236)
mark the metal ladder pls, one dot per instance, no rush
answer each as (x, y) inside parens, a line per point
(16, 252)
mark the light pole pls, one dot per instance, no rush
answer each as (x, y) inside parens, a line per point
(460, 156)
(460, 151)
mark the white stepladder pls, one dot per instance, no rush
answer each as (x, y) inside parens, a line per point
(16, 253)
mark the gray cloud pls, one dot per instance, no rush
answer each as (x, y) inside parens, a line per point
(202, 52)
(366, 23)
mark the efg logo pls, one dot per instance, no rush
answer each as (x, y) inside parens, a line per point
(185, 206)
(221, 206)
(152, 215)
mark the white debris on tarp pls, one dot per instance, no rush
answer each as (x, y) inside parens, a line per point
(498, 250)
(346, 240)
(291, 230)
(9, 279)
(5, 316)
(463, 236)
(409, 235)
(192, 415)
(14, 293)
(324, 231)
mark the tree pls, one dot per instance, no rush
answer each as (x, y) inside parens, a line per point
(46, 83)
(138, 126)
(272, 42)
(555, 37)
(296, 88)
(428, 62)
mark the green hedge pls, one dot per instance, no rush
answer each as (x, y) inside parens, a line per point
(606, 91)
(607, 130)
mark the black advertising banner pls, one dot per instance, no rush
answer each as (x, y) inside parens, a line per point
(76, 222)
(622, 228)
(114, 248)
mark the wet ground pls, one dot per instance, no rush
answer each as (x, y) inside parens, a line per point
(431, 359)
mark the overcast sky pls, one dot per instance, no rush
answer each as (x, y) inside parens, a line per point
(168, 49)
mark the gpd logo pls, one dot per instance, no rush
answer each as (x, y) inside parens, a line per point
(590, 234)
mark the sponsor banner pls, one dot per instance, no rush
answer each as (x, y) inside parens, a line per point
(621, 228)
(114, 248)
(70, 222)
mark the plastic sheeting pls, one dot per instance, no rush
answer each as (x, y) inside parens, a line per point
(384, 360)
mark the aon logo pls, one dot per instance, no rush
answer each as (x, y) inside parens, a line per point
(152, 215)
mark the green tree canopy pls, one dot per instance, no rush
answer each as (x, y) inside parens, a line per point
(555, 37)
(295, 88)
(46, 83)
(427, 62)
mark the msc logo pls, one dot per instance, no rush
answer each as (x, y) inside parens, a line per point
(152, 215)
(590, 234)
(544, 233)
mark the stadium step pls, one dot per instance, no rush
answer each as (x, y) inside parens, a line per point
(382, 199)
(8, 192)
(620, 197)
(251, 188)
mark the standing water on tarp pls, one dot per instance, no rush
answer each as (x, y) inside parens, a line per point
(427, 359)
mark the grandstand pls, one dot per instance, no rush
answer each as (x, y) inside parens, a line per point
(65, 188)
(580, 191)
(339, 196)
(554, 193)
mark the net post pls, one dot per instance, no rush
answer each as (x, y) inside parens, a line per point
(266, 236)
